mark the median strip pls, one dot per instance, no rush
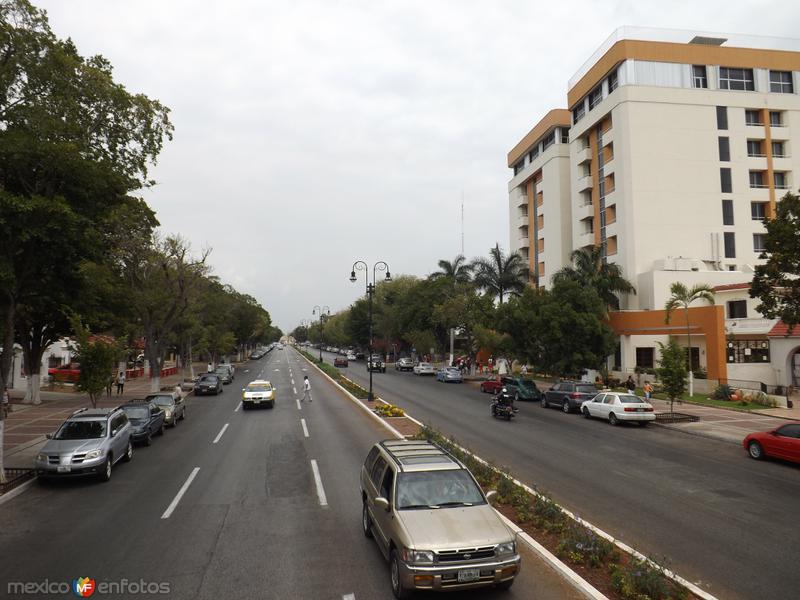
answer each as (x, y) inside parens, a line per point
(180, 494)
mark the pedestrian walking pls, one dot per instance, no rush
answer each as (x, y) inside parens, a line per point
(524, 370)
(648, 390)
(209, 368)
(306, 389)
(120, 382)
(630, 384)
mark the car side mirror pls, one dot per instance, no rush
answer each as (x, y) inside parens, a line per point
(382, 502)
(243, 389)
(114, 432)
(490, 494)
(49, 436)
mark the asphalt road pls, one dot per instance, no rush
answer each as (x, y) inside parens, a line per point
(724, 521)
(251, 523)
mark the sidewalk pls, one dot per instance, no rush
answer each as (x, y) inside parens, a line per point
(27, 424)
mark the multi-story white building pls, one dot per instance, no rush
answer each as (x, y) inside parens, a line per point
(676, 147)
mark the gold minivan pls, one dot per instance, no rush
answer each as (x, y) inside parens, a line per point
(432, 522)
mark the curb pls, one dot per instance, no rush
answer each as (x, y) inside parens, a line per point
(17, 491)
(701, 434)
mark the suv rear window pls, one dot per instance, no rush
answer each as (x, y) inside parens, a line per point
(586, 389)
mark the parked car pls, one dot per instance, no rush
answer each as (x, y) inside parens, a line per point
(69, 373)
(521, 389)
(224, 374)
(569, 395)
(424, 368)
(493, 385)
(360, 355)
(228, 367)
(351, 355)
(146, 418)
(340, 361)
(257, 392)
(782, 442)
(89, 442)
(449, 375)
(172, 404)
(375, 363)
(404, 364)
(208, 383)
(619, 406)
(432, 522)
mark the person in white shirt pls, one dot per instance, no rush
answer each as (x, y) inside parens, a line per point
(306, 389)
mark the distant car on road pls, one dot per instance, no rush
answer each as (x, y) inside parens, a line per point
(569, 395)
(404, 364)
(208, 383)
(258, 392)
(172, 404)
(146, 418)
(424, 368)
(375, 363)
(782, 442)
(351, 355)
(619, 406)
(224, 374)
(521, 389)
(340, 361)
(69, 373)
(449, 375)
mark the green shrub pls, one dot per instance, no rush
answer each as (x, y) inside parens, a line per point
(641, 580)
(722, 392)
(583, 546)
(547, 514)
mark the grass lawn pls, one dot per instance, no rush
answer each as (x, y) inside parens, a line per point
(706, 401)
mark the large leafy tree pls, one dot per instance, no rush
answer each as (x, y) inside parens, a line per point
(590, 269)
(776, 283)
(501, 275)
(457, 271)
(683, 297)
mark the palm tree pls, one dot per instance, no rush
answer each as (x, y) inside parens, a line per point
(501, 275)
(682, 297)
(458, 270)
(591, 270)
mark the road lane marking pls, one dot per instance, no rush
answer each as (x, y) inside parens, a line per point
(305, 429)
(238, 406)
(247, 370)
(180, 493)
(277, 370)
(298, 403)
(292, 381)
(323, 501)
(294, 390)
(221, 431)
(349, 597)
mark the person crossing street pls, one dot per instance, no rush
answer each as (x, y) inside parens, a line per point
(306, 389)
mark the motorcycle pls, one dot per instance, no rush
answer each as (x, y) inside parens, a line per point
(502, 406)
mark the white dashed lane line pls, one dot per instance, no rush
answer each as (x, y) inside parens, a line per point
(238, 406)
(180, 494)
(305, 429)
(323, 501)
(294, 389)
(298, 403)
(349, 597)
(219, 435)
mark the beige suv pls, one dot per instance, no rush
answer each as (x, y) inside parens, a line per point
(432, 521)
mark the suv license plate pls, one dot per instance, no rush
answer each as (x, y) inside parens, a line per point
(64, 468)
(467, 575)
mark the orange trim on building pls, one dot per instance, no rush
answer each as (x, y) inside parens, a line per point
(770, 170)
(703, 320)
(687, 54)
(558, 117)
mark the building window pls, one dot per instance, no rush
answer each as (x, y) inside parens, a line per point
(757, 179)
(753, 117)
(731, 267)
(736, 79)
(595, 96)
(578, 112)
(644, 357)
(549, 141)
(519, 166)
(778, 150)
(775, 118)
(724, 149)
(722, 117)
(699, 76)
(748, 351)
(565, 135)
(725, 180)
(780, 181)
(613, 81)
(727, 212)
(758, 210)
(759, 242)
(730, 244)
(737, 309)
(755, 148)
(781, 82)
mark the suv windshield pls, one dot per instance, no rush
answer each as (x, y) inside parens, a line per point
(435, 489)
(81, 430)
(208, 379)
(137, 412)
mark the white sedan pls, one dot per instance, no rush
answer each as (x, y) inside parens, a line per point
(619, 406)
(424, 368)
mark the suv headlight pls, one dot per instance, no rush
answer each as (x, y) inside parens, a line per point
(42, 457)
(92, 454)
(506, 549)
(418, 557)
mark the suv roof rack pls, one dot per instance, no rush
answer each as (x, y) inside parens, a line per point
(417, 449)
(80, 410)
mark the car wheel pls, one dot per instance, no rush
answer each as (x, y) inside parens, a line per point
(397, 585)
(505, 585)
(272, 404)
(161, 428)
(245, 406)
(516, 397)
(545, 403)
(612, 419)
(128, 452)
(366, 525)
(586, 413)
(755, 450)
(105, 475)
(566, 407)
(149, 439)
(183, 414)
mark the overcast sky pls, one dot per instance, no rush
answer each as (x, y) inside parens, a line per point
(312, 134)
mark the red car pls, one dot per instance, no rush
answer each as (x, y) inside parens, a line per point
(69, 373)
(491, 386)
(340, 361)
(783, 442)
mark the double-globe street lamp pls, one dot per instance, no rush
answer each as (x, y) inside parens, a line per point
(321, 311)
(360, 265)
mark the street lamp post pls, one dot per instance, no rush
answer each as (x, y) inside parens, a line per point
(321, 311)
(360, 265)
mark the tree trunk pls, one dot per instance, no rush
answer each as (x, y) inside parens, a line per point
(2, 432)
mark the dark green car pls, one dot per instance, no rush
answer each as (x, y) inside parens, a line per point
(521, 389)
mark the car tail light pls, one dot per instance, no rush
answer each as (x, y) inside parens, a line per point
(650, 409)
(575, 395)
(630, 409)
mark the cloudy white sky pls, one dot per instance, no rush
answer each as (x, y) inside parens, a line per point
(312, 134)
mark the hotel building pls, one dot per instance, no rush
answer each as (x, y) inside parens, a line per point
(673, 149)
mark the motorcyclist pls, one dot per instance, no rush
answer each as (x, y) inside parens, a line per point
(505, 399)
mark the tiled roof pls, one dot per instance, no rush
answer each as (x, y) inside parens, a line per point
(781, 329)
(731, 286)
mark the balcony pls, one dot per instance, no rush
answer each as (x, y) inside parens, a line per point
(585, 183)
(755, 131)
(523, 242)
(584, 155)
(522, 200)
(749, 326)
(523, 221)
(586, 238)
(584, 211)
